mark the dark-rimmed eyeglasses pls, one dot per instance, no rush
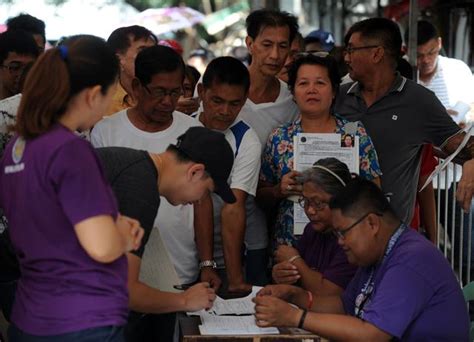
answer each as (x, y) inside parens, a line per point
(160, 93)
(15, 67)
(341, 233)
(350, 49)
(316, 205)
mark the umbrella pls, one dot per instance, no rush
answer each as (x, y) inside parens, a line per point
(162, 20)
(97, 17)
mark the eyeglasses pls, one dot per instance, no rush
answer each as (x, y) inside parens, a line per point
(322, 54)
(15, 67)
(350, 49)
(160, 93)
(341, 233)
(316, 205)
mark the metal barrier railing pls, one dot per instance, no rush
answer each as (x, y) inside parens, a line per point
(454, 226)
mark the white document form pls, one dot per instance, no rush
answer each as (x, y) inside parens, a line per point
(236, 306)
(311, 147)
(223, 318)
(232, 325)
(469, 130)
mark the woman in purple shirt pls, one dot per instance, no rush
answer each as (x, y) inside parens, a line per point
(63, 219)
(318, 261)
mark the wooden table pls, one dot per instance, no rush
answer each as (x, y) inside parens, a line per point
(189, 332)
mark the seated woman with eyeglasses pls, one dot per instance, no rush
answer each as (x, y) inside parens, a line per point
(318, 262)
(314, 82)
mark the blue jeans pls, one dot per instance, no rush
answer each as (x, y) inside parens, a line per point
(99, 334)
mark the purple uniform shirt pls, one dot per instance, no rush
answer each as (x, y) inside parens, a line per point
(321, 252)
(47, 185)
(416, 296)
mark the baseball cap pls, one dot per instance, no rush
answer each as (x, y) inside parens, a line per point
(325, 38)
(210, 148)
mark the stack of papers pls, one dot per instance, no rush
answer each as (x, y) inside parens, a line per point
(232, 325)
(232, 317)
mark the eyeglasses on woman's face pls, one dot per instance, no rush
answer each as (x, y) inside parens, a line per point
(305, 203)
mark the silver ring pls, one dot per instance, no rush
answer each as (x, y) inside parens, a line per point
(288, 187)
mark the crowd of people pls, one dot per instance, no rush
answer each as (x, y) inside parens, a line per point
(110, 146)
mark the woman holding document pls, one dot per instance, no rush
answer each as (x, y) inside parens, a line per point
(314, 82)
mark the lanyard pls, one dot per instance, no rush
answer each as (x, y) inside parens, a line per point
(368, 287)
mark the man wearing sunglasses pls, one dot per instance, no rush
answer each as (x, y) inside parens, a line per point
(404, 289)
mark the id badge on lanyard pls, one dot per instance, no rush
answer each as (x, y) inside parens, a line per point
(369, 286)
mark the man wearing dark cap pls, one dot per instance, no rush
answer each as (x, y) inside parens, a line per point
(199, 163)
(319, 40)
(152, 125)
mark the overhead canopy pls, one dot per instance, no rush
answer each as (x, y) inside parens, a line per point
(163, 20)
(226, 17)
(97, 17)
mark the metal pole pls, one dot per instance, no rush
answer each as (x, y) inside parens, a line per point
(412, 37)
(453, 211)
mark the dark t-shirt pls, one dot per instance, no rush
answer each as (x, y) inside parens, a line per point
(321, 252)
(399, 123)
(134, 180)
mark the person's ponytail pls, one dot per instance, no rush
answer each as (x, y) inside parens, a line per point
(45, 95)
(60, 74)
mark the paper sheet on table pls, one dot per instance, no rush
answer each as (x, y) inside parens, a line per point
(232, 325)
(469, 131)
(234, 306)
(308, 149)
(156, 269)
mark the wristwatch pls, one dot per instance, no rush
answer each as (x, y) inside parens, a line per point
(207, 263)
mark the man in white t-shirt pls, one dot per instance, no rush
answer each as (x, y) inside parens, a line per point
(269, 103)
(223, 92)
(453, 84)
(450, 79)
(152, 125)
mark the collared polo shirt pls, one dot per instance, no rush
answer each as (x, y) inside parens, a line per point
(120, 101)
(399, 123)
